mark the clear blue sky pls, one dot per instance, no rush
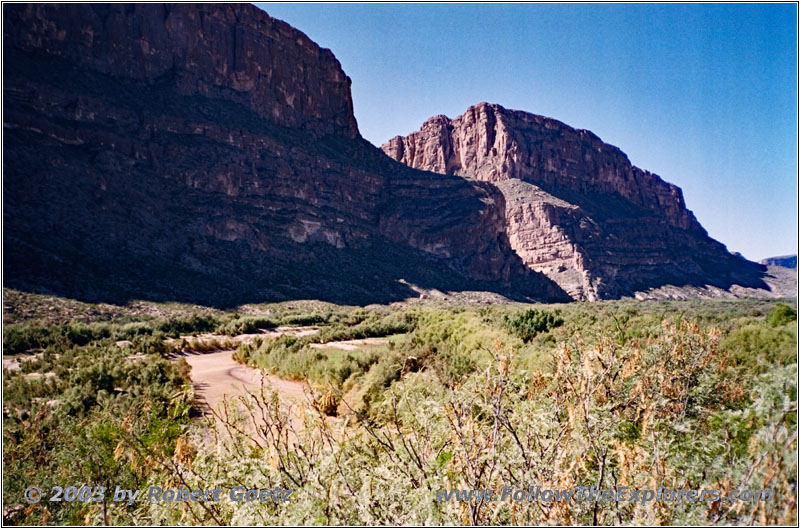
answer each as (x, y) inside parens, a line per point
(703, 95)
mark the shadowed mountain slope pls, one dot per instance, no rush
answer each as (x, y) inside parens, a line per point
(209, 153)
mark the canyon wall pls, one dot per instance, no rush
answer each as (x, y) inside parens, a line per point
(209, 153)
(577, 210)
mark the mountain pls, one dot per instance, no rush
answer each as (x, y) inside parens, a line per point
(209, 153)
(577, 210)
(786, 261)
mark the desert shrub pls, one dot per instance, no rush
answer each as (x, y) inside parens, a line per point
(757, 347)
(606, 414)
(183, 369)
(369, 328)
(305, 319)
(333, 367)
(195, 323)
(20, 338)
(206, 344)
(371, 388)
(453, 345)
(102, 419)
(243, 353)
(689, 394)
(271, 354)
(527, 324)
(245, 325)
(31, 364)
(354, 317)
(293, 358)
(130, 330)
(152, 345)
(81, 333)
(781, 314)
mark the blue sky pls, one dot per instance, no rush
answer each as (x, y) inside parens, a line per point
(703, 95)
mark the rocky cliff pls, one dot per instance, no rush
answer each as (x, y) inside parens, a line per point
(231, 52)
(209, 153)
(577, 210)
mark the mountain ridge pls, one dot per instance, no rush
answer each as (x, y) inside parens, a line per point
(786, 261)
(136, 167)
(573, 200)
(209, 153)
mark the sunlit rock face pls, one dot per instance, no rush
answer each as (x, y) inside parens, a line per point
(209, 152)
(576, 209)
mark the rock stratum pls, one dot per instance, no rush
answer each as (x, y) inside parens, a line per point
(209, 153)
(577, 210)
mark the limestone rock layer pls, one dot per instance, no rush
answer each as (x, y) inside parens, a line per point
(577, 210)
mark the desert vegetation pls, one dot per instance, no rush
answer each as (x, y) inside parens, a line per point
(683, 394)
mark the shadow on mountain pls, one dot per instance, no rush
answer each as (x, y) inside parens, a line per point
(116, 189)
(694, 273)
(382, 273)
(633, 249)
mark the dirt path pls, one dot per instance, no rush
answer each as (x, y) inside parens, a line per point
(235, 341)
(350, 345)
(217, 375)
(12, 362)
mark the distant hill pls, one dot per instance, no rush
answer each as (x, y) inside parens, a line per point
(787, 261)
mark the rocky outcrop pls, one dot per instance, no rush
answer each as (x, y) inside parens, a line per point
(491, 143)
(231, 52)
(209, 153)
(576, 209)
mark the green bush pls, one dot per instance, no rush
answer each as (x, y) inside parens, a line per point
(130, 330)
(781, 314)
(370, 328)
(195, 323)
(354, 317)
(20, 338)
(527, 324)
(305, 319)
(379, 377)
(703, 392)
(759, 347)
(245, 325)
(73, 427)
(152, 345)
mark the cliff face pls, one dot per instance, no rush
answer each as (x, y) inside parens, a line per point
(491, 143)
(232, 52)
(576, 209)
(209, 153)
